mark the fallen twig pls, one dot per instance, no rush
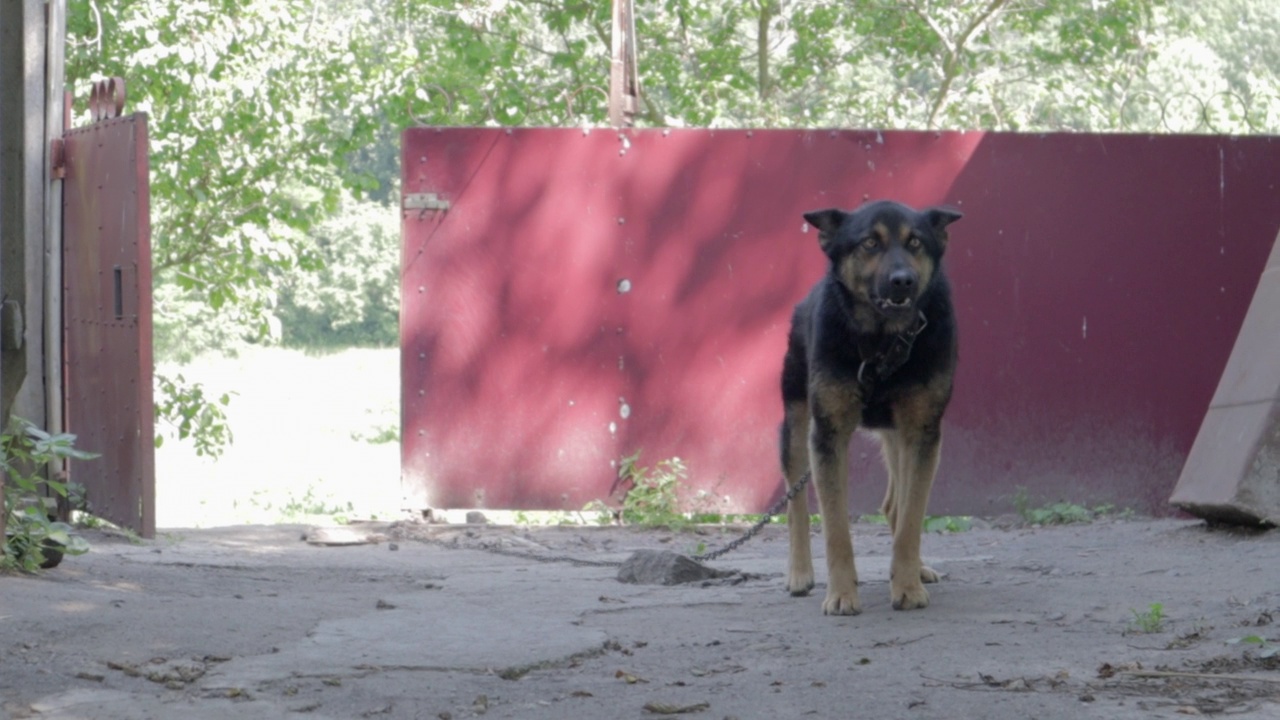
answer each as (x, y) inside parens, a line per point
(899, 643)
(1156, 674)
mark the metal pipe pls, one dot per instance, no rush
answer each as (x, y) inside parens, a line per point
(54, 126)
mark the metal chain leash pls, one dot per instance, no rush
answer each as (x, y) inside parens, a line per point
(755, 529)
(527, 555)
(703, 557)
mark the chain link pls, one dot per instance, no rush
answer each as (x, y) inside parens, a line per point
(494, 550)
(704, 557)
(755, 529)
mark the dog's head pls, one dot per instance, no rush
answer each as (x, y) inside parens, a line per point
(885, 253)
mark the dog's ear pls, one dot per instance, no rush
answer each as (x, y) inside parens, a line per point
(827, 222)
(939, 218)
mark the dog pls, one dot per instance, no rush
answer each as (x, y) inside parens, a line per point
(873, 345)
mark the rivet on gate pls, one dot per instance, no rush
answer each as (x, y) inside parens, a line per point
(422, 288)
(422, 393)
(749, 133)
(622, 221)
(624, 286)
(422, 356)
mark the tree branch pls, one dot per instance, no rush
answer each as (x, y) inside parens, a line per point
(762, 47)
(954, 48)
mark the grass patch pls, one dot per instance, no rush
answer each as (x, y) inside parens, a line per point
(1061, 513)
(1150, 620)
(932, 523)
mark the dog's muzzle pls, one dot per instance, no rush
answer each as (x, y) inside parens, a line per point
(898, 291)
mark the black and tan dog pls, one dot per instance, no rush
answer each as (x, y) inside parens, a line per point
(873, 345)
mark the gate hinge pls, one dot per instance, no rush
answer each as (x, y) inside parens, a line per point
(424, 202)
(58, 158)
(13, 328)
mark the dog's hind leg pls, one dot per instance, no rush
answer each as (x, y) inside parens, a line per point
(890, 449)
(893, 448)
(795, 464)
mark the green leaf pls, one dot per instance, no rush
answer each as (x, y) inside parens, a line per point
(1252, 639)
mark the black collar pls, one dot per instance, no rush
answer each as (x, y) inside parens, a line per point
(892, 354)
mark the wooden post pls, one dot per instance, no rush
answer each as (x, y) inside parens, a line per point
(624, 82)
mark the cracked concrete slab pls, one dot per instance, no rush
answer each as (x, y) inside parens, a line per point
(258, 623)
(87, 704)
(427, 632)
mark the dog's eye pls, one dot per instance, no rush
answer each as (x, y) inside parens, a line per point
(870, 243)
(914, 243)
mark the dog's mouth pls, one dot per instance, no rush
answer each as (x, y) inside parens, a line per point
(894, 305)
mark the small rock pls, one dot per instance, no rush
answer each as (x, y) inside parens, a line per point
(384, 605)
(653, 567)
(475, 517)
(392, 547)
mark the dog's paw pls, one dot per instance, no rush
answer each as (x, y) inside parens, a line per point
(929, 575)
(841, 603)
(909, 596)
(799, 584)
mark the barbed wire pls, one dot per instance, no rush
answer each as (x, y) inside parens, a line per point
(1221, 112)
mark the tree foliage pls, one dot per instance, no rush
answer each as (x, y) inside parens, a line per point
(916, 64)
(266, 114)
(354, 298)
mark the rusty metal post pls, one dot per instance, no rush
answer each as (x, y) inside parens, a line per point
(624, 81)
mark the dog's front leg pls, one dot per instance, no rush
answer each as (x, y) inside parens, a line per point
(829, 459)
(918, 462)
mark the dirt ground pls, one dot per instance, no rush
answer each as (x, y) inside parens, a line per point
(251, 621)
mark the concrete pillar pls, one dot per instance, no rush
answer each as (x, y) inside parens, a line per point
(22, 192)
(22, 187)
(1233, 471)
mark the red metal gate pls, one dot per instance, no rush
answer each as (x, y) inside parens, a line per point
(570, 297)
(106, 285)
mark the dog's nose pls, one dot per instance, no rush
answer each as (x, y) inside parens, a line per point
(902, 279)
